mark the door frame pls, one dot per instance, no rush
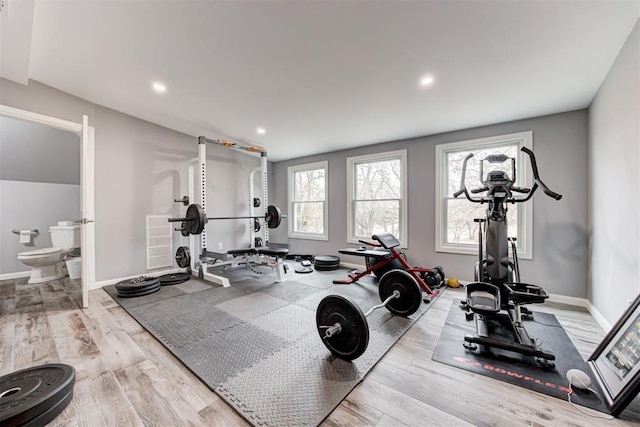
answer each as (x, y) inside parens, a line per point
(86, 134)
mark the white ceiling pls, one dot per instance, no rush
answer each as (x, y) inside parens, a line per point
(326, 75)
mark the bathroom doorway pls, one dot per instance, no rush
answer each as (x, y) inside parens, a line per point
(67, 179)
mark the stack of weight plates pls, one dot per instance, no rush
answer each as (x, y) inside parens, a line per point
(173, 279)
(326, 262)
(138, 287)
(35, 396)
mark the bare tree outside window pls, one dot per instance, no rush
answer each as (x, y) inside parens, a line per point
(308, 201)
(377, 197)
(309, 197)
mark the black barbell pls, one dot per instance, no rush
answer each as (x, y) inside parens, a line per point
(195, 220)
(343, 326)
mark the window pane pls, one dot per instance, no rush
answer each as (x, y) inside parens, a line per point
(377, 217)
(460, 226)
(456, 159)
(308, 217)
(309, 185)
(378, 180)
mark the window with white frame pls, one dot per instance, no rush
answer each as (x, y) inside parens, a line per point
(455, 230)
(308, 201)
(377, 195)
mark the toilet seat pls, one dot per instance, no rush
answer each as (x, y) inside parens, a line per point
(39, 252)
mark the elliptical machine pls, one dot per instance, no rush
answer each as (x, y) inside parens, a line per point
(497, 297)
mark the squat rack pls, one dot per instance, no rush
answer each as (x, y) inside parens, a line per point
(202, 182)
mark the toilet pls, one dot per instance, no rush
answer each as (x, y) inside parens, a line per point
(47, 264)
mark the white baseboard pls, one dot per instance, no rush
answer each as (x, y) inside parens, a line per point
(602, 321)
(103, 283)
(563, 299)
(18, 275)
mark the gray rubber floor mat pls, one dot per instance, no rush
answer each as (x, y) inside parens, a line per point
(256, 344)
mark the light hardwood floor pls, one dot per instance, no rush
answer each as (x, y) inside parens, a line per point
(127, 378)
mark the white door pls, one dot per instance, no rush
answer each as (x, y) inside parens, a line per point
(88, 228)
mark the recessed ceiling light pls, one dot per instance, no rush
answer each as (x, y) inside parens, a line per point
(426, 80)
(159, 87)
(261, 131)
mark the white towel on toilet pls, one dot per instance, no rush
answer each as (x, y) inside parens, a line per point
(25, 236)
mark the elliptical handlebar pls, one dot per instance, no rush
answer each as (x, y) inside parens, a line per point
(528, 191)
(536, 176)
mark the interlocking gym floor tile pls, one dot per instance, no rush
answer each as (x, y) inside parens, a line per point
(165, 292)
(360, 291)
(226, 354)
(290, 322)
(250, 306)
(311, 302)
(290, 290)
(178, 327)
(317, 279)
(193, 285)
(307, 387)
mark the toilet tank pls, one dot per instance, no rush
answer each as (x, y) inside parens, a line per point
(65, 235)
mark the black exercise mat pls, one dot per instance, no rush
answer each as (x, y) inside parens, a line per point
(256, 345)
(515, 368)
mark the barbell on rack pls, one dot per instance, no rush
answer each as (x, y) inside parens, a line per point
(195, 220)
(343, 326)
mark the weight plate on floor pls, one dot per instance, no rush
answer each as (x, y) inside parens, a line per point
(173, 279)
(326, 259)
(138, 290)
(353, 338)
(327, 267)
(140, 294)
(410, 293)
(137, 283)
(50, 414)
(304, 270)
(26, 394)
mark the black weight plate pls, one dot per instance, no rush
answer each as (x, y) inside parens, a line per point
(196, 219)
(173, 279)
(138, 290)
(353, 338)
(183, 257)
(393, 265)
(140, 294)
(51, 413)
(184, 228)
(326, 259)
(410, 293)
(327, 267)
(137, 283)
(30, 392)
(274, 217)
(304, 270)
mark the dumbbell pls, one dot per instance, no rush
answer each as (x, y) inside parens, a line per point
(343, 326)
(434, 278)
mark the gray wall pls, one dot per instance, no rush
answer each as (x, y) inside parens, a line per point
(139, 169)
(37, 153)
(560, 228)
(614, 159)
